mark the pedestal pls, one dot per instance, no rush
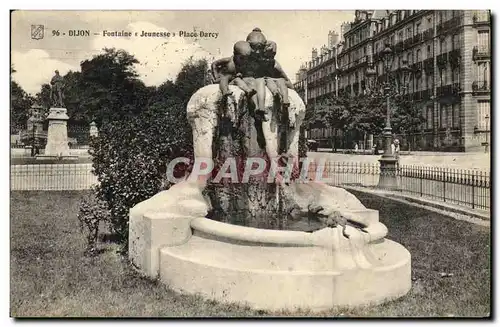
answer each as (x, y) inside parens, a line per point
(57, 136)
(388, 173)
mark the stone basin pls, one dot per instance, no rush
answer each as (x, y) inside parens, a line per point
(265, 269)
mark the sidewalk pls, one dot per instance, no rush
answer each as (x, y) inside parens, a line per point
(478, 216)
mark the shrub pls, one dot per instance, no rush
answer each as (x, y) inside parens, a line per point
(130, 158)
(92, 213)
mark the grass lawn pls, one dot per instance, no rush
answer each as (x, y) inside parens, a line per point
(51, 278)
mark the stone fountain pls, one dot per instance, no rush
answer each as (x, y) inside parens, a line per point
(236, 240)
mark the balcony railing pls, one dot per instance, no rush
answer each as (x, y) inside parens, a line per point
(428, 33)
(449, 24)
(418, 38)
(444, 90)
(442, 59)
(429, 64)
(480, 86)
(407, 43)
(399, 46)
(417, 67)
(454, 56)
(426, 94)
(481, 53)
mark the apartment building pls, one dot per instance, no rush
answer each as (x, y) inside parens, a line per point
(449, 52)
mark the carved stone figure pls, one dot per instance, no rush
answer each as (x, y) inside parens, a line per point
(253, 67)
(56, 90)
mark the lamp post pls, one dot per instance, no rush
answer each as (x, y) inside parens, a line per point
(33, 141)
(388, 161)
(486, 144)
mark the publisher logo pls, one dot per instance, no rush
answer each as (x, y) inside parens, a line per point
(37, 32)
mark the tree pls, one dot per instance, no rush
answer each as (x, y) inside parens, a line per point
(362, 114)
(108, 87)
(43, 97)
(190, 78)
(407, 118)
(20, 105)
(331, 112)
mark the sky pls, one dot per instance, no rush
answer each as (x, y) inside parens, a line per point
(35, 60)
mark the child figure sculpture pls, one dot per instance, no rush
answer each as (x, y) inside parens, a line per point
(252, 67)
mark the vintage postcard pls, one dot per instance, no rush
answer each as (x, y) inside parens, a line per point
(328, 163)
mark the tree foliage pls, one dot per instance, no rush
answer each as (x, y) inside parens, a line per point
(362, 113)
(407, 117)
(130, 155)
(20, 104)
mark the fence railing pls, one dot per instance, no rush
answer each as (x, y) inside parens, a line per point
(464, 187)
(469, 188)
(52, 177)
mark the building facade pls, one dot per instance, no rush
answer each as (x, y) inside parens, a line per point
(449, 52)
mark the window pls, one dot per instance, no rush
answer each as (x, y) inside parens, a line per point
(429, 117)
(429, 21)
(483, 40)
(443, 45)
(443, 116)
(419, 83)
(429, 51)
(418, 56)
(408, 32)
(456, 41)
(400, 36)
(417, 28)
(483, 112)
(456, 115)
(456, 75)
(483, 72)
(409, 58)
(430, 81)
(442, 77)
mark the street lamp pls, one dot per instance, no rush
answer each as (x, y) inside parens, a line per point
(34, 141)
(392, 84)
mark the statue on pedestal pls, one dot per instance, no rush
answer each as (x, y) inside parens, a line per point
(56, 90)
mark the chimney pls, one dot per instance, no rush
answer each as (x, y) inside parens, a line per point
(333, 39)
(314, 53)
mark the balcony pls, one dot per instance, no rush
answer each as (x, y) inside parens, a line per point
(445, 90)
(442, 60)
(355, 87)
(454, 56)
(418, 38)
(482, 53)
(428, 34)
(399, 47)
(481, 87)
(417, 67)
(417, 96)
(429, 65)
(426, 94)
(407, 43)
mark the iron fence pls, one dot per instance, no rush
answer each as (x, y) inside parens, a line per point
(52, 177)
(464, 187)
(469, 188)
